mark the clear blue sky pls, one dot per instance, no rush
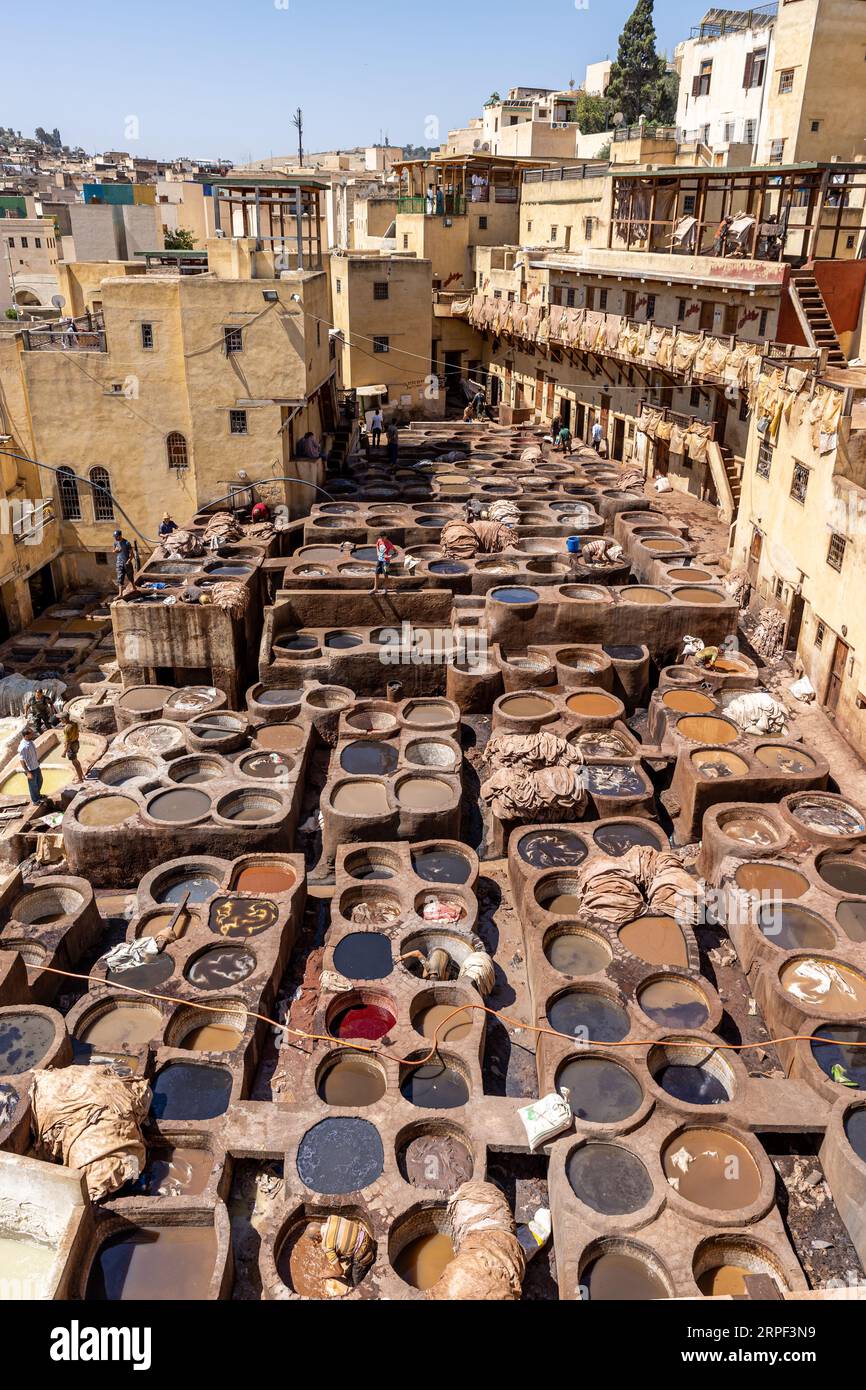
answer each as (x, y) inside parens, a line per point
(221, 77)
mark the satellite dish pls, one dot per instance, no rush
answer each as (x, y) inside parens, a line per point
(618, 118)
(476, 144)
(58, 301)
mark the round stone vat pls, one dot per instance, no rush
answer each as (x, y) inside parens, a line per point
(364, 956)
(608, 1178)
(619, 1270)
(190, 1091)
(769, 877)
(843, 873)
(431, 714)
(128, 769)
(554, 848)
(419, 1247)
(350, 1079)
(439, 1013)
(428, 752)
(102, 812)
(374, 862)
(361, 1014)
(40, 907)
(441, 864)
(713, 1169)
(722, 1265)
(601, 1091)
(710, 597)
(559, 894)
(673, 1001)
(791, 927)
(191, 877)
(590, 1015)
(840, 1052)
(220, 967)
(219, 1028)
(573, 949)
(822, 985)
(339, 1155)
(691, 1072)
(700, 728)
(636, 593)
(656, 940)
(529, 706)
(371, 757)
(440, 1084)
(719, 763)
(688, 702)
(750, 829)
(783, 757)
(250, 807)
(182, 806)
(434, 1155)
(27, 1036)
(617, 837)
(119, 1027)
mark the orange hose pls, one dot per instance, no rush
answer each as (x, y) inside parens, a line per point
(422, 1061)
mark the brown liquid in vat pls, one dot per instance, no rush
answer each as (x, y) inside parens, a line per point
(585, 702)
(688, 702)
(361, 799)
(771, 878)
(707, 729)
(657, 940)
(424, 794)
(712, 1169)
(526, 706)
(107, 810)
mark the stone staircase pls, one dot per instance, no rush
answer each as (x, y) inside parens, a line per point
(814, 319)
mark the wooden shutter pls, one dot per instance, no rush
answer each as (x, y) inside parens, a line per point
(747, 75)
(696, 86)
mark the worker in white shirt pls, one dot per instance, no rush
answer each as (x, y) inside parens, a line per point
(29, 759)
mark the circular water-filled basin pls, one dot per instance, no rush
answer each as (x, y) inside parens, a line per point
(364, 956)
(672, 1001)
(200, 884)
(370, 757)
(441, 864)
(690, 1071)
(25, 1038)
(592, 704)
(655, 939)
(190, 1091)
(120, 1028)
(768, 877)
(423, 793)
(792, 928)
(527, 706)
(430, 713)
(548, 849)
(688, 702)
(339, 1155)
(618, 837)
(572, 949)
(636, 593)
(281, 738)
(608, 1178)
(719, 763)
(220, 967)
(249, 807)
(712, 1169)
(437, 1085)
(750, 829)
(513, 594)
(824, 985)
(785, 758)
(700, 728)
(105, 811)
(827, 814)
(588, 1016)
(600, 1091)
(351, 1079)
(843, 873)
(184, 805)
(434, 1156)
(840, 1052)
(709, 597)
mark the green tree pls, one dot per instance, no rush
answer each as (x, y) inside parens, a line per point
(639, 83)
(592, 113)
(178, 240)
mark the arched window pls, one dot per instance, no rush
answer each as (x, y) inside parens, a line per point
(70, 504)
(103, 506)
(176, 452)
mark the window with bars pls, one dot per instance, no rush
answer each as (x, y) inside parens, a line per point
(786, 81)
(650, 306)
(70, 502)
(233, 339)
(147, 337)
(820, 633)
(237, 422)
(381, 343)
(482, 224)
(176, 450)
(380, 289)
(777, 150)
(799, 482)
(765, 459)
(836, 551)
(103, 504)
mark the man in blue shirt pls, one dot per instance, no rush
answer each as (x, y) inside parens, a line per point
(167, 525)
(122, 562)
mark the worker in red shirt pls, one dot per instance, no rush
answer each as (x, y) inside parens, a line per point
(260, 512)
(385, 553)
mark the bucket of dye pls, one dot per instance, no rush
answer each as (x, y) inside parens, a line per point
(572, 545)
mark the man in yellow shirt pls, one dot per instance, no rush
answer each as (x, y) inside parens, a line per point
(71, 742)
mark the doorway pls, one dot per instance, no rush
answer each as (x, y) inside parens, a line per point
(795, 622)
(565, 411)
(754, 562)
(841, 653)
(42, 591)
(618, 437)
